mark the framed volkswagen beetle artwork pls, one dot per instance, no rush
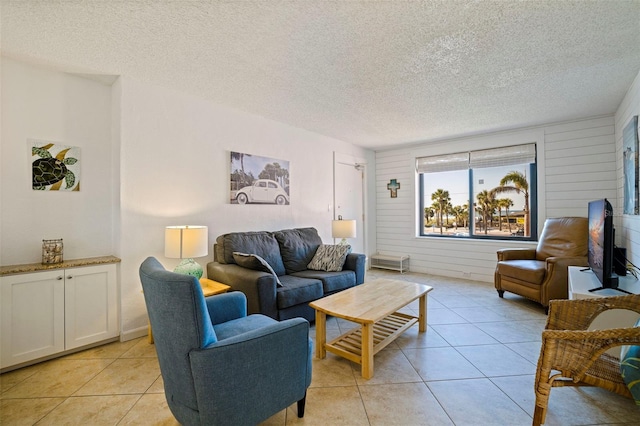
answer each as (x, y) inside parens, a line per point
(258, 180)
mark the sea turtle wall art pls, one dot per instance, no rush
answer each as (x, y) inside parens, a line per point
(54, 167)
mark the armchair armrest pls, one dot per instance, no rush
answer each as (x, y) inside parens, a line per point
(575, 352)
(568, 261)
(596, 338)
(516, 254)
(224, 372)
(226, 307)
(578, 314)
(555, 285)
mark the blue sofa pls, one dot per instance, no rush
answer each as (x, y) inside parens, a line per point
(287, 291)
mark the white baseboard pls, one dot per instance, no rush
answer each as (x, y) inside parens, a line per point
(134, 334)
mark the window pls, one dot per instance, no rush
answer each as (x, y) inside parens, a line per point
(488, 193)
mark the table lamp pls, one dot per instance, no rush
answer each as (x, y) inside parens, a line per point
(186, 242)
(343, 229)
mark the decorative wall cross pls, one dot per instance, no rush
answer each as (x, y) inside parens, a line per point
(393, 186)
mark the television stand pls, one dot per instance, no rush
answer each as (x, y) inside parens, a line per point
(614, 285)
(584, 283)
(612, 288)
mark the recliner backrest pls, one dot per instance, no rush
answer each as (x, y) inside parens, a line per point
(180, 323)
(563, 237)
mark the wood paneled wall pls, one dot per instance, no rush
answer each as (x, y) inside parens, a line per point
(576, 164)
(627, 226)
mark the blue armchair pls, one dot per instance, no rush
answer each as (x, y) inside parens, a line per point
(219, 365)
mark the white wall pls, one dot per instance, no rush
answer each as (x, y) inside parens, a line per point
(151, 157)
(627, 226)
(154, 157)
(576, 164)
(69, 110)
(174, 170)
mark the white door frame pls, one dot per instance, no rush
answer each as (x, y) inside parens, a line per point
(359, 164)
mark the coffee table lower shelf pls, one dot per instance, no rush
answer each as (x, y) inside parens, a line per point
(385, 331)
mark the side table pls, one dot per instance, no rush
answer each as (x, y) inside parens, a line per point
(209, 288)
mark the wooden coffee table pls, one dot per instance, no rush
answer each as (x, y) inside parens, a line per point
(374, 306)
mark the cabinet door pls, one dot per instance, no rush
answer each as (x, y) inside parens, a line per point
(32, 316)
(91, 305)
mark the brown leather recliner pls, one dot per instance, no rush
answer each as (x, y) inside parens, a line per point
(541, 274)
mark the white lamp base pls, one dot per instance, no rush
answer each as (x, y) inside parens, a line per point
(189, 267)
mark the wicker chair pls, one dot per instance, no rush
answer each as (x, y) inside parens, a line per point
(577, 356)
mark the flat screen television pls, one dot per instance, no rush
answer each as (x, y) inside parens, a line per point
(601, 242)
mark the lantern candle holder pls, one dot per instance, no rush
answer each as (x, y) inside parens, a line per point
(52, 251)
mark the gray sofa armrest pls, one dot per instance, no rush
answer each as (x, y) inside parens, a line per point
(258, 286)
(356, 262)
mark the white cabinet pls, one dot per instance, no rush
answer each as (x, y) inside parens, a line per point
(44, 313)
(90, 305)
(32, 316)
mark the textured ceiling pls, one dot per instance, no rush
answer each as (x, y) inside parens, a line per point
(373, 73)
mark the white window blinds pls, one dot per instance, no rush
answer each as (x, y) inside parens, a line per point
(505, 156)
(443, 163)
(494, 157)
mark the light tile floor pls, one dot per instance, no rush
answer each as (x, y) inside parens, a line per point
(475, 365)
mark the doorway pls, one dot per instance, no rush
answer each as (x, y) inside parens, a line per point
(349, 177)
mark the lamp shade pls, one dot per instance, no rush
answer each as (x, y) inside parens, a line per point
(343, 228)
(182, 242)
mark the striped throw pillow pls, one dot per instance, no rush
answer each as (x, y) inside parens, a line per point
(329, 258)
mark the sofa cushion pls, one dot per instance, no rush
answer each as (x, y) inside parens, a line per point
(296, 290)
(261, 243)
(331, 281)
(531, 271)
(297, 247)
(255, 262)
(329, 258)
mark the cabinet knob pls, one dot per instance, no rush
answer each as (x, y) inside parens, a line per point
(69, 277)
(58, 278)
